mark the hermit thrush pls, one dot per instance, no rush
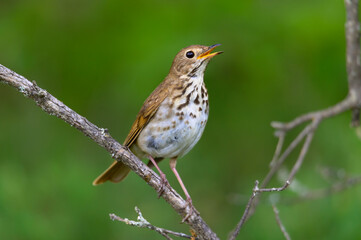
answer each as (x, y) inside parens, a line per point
(172, 118)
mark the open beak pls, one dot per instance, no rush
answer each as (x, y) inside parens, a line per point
(208, 53)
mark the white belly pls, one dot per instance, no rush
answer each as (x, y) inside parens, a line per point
(173, 132)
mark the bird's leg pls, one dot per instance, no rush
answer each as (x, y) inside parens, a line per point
(173, 163)
(163, 178)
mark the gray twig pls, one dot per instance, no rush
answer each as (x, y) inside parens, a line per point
(281, 139)
(279, 222)
(337, 187)
(345, 105)
(304, 151)
(236, 231)
(278, 162)
(143, 223)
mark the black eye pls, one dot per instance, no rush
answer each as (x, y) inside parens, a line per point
(190, 54)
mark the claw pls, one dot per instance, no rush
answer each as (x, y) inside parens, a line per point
(164, 182)
(191, 209)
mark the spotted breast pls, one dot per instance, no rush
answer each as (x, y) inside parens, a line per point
(178, 124)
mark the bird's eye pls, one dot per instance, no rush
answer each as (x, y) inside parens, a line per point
(190, 54)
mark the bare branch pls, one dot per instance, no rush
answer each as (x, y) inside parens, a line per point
(321, 193)
(295, 169)
(143, 223)
(304, 151)
(298, 163)
(355, 119)
(278, 162)
(351, 102)
(53, 106)
(236, 231)
(309, 131)
(353, 56)
(345, 105)
(279, 222)
(281, 139)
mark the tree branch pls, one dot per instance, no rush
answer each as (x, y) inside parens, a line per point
(53, 106)
(143, 223)
(253, 201)
(279, 222)
(282, 128)
(345, 105)
(353, 66)
(281, 139)
(236, 231)
(351, 102)
(337, 187)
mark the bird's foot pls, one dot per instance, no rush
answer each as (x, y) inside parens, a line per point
(191, 209)
(164, 183)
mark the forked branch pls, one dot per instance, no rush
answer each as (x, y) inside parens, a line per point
(351, 102)
(143, 223)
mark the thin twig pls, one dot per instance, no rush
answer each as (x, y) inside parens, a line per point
(299, 161)
(324, 192)
(257, 190)
(345, 105)
(236, 231)
(294, 170)
(304, 150)
(277, 164)
(279, 222)
(281, 139)
(143, 223)
(286, 153)
(310, 132)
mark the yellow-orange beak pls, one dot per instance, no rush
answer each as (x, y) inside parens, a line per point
(208, 53)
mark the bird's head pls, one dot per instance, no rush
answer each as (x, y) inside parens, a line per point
(192, 61)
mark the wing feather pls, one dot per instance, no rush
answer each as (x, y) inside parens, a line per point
(146, 113)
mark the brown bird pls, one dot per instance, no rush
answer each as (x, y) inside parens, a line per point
(172, 118)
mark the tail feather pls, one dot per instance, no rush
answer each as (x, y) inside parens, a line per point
(115, 173)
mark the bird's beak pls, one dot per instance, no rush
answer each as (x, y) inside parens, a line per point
(208, 53)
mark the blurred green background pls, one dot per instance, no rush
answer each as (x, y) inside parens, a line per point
(103, 58)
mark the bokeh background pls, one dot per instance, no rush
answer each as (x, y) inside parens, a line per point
(103, 58)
